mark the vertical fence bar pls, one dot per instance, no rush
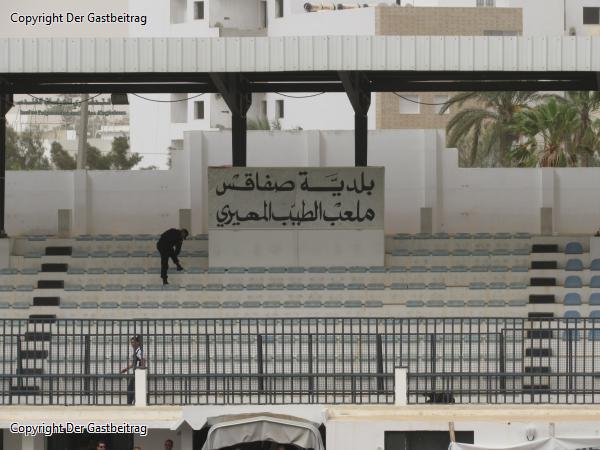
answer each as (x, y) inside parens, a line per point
(260, 363)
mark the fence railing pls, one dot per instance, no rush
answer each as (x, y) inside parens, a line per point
(303, 360)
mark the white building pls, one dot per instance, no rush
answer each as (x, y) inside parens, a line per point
(157, 127)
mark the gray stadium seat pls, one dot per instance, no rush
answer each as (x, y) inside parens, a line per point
(108, 305)
(254, 287)
(292, 304)
(335, 286)
(461, 252)
(594, 299)
(231, 304)
(294, 287)
(398, 286)
(251, 304)
(496, 303)
(521, 251)
(518, 285)
(169, 304)
(479, 269)
(497, 285)
(436, 303)
(149, 305)
(595, 264)
(438, 269)
(519, 269)
(375, 286)
(476, 303)
(397, 269)
(436, 286)
(113, 287)
(477, 285)
(518, 302)
(415, 303)
(133, 287)
(458, 303)
(135, 271)
(373, 304)
(352, 304)
(272, 304)
(129, 305)
(416, 286)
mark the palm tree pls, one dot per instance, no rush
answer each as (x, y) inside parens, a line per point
(484, 130)
(585, 137)
(550, 129)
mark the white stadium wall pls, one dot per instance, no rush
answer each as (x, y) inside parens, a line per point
(420, 173)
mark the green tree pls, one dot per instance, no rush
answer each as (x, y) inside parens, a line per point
(96, 160)
(585, 137)
(549, 130)
(118, 156)
(483, 129)
(25, 151)
(61, 158)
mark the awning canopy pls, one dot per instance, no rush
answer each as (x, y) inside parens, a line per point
(226, 431)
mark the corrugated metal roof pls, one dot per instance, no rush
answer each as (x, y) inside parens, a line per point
(318, 53)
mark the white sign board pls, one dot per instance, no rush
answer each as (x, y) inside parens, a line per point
(317, 198)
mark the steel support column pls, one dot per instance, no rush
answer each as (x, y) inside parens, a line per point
(235, 91)
(6, 103)
(358, 89)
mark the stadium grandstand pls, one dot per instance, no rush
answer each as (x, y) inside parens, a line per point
(446, 306)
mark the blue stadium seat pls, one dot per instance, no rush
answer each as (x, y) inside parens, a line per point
(276, 270)
(479, 269)
(572, 314)
(206, 305)
(518, 285)
(255, 287)
(373, 304)
(502, 236)
(149, 305)
(522, 236)
(519, 269)
(572, 299)
(521, 251)
(438, 269)
(416, 286)
(574, 265)
(573, 281)
(436, 286)
(375, 286)
(312, 304)
(441, 236)
(335, 286)
(295, 304)
(497, 285)
(134, 287)
(332, 304)
(236, 270)
(295, 269)
(113, 287)
(595, 322)
(96, 271)
(238, 287)
(573, 248)
(315, 287)
(480, 252)
(398, 286)
(115, 271)
(119, 254)
(397, 269)
(421, 252)
(595, 281)
(595, 264)
(358, 269)
(594, 299)
(499, 269)
(108, 305)
(418, 269)
(459, 269)
(294, 287)
(477, 285)
(356, 286)
(100, 254)
(135, 271)
(400, 252)
(482, 236)
(317, 269)
(30, 271)
(440, 252)
(88, 305)
(231, 304)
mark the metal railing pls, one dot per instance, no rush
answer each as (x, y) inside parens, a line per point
(307, 360)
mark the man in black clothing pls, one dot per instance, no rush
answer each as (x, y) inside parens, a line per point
(169, 246)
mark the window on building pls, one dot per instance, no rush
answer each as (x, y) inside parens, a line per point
(488, 3)
(263, 109)
(178, 8)
(198, 10)
(199, 110)
(179, 108)
(591, 16)
(279, 112)
(409, 104)
(278, 8)
(439, 100)
(263, 14)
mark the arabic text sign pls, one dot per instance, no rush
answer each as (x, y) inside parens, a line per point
(296, 198)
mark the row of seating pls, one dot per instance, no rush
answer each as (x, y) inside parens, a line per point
(281, 270)
(574, 299)
(463, 236)
(112, 237)
(461, 252)
(120, 254)
(282, 286)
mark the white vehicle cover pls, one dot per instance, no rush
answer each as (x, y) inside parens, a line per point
(226, 431)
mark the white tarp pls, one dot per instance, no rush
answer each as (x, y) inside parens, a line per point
(244, 428)
(558, 443)
(328, 198)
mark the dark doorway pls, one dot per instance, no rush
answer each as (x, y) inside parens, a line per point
(88, 441)
(424, 440)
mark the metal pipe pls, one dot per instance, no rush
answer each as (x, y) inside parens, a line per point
(315, 7)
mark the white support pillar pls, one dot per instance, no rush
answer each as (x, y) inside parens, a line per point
(80, 202)
(547, 188)
(430, 208)
(313, 148)
(5, 249)
(187, 437)
(141, 388)
(401, 386)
